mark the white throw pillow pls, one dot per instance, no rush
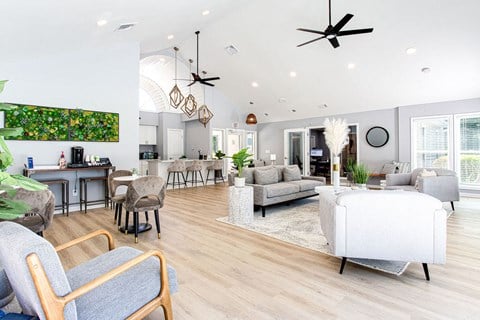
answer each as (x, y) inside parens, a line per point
(425, 173)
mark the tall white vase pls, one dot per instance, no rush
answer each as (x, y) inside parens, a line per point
(336, 172)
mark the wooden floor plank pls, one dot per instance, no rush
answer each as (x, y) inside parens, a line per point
(228, 273)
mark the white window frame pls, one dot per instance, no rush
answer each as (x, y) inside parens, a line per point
(457, 146)
(413, 142)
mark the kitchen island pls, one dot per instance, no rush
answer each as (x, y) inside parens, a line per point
(160, 168)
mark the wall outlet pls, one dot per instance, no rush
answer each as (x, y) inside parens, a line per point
(74, 192)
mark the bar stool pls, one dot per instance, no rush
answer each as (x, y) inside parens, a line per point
(217, 168)
(177, 168)
(65, 204)
(84, 195)
(117, 200)
(195, 169)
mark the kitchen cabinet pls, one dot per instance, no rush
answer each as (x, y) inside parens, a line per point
(148, 135)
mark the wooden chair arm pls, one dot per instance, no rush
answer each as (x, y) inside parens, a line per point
(54, 305)
(111, 244)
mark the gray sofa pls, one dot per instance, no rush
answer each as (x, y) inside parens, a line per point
(443, 186)
(277, 184)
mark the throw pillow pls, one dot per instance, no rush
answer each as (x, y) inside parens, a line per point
(292, 173)
(248, 174)
(279, 172)
(266, 176)
(425, 173)
(388, 168)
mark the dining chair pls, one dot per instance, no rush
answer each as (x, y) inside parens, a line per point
(117, 198)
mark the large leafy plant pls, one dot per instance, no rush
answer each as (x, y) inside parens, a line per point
(241, 159)
(9, 208)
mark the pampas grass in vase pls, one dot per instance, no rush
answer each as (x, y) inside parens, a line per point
(336, 137)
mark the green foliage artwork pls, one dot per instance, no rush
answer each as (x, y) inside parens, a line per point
(57, 124)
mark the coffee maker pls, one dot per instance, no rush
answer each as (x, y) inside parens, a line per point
(77, 155)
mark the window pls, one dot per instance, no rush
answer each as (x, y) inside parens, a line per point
(251, 143)
(451, 143)
(467, 131)
(431, 142)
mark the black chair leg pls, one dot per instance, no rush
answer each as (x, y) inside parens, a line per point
(184, 180)
(146, 216)
(263, 212)
(342, 266)
(451, 203)
(135, 225)
(127, 216)
(201, 177)
(119, 218)
(116, 214)
(157, 222)
(425, 270)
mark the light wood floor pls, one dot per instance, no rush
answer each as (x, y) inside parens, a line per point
(229, 273)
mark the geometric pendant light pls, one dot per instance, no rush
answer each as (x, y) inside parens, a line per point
(176, 96)
(204, 114)
(189, 106)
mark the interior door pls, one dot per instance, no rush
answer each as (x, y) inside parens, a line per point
(175, 144)
(295, 150)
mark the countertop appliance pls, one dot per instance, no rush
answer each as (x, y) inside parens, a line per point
(148, 155)
(77, 155)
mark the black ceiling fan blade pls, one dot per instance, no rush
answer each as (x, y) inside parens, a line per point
(312, 31)
(191, 84)
(310, 41)
(211, 79)
(334, 42)
(342, 23)
(208, 84)
(357, 31)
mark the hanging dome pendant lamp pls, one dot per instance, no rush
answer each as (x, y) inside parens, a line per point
(176, 96)
(251, 118)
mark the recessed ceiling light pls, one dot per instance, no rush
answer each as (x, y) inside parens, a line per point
(170, 37)
(126, 26)
(351, 66)
(205, 12)
(293, 74)
(254, 84)
(282, 100)
(102, 22)
(426, 69)
(231, 49)
(265, 114)
(411, 50)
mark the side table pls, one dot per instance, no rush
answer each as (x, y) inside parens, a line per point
(240, 205)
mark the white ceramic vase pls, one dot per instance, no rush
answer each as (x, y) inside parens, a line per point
(239, 182)
(336, 172)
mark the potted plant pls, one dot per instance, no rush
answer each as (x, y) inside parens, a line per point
(349, 166)
(240, 160)
(360, 175)
(219, 154)
(11, 209)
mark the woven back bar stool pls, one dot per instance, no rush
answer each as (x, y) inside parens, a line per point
(195, 169)
(176, 169)
(217, 168)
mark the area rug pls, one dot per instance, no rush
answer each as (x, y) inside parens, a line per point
(299, 224)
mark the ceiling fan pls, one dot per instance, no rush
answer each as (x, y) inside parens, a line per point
(332, 32)
(196, 76)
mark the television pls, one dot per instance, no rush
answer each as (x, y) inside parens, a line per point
(316, 153)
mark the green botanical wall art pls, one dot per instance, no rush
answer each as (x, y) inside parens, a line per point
(58, 124)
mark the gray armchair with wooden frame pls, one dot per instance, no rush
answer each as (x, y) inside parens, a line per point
(123, 283)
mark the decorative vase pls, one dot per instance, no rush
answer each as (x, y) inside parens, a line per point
(336, 172)
(239, 182)
(362, 186)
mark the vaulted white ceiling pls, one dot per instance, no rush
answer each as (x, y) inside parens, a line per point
(444, 32)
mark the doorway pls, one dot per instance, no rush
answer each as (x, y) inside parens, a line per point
(174, 144)
(295, 147)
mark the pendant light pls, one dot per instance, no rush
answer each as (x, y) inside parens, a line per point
(251, 118)
(176, 96)
(190, 105)
(204, 114)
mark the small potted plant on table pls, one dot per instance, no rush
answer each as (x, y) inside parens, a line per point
(240, 160)
(360, 175)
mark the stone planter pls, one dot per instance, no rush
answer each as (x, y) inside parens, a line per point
(239, 182)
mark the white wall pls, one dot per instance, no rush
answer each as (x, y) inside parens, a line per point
(100, 79)
(270, 135)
